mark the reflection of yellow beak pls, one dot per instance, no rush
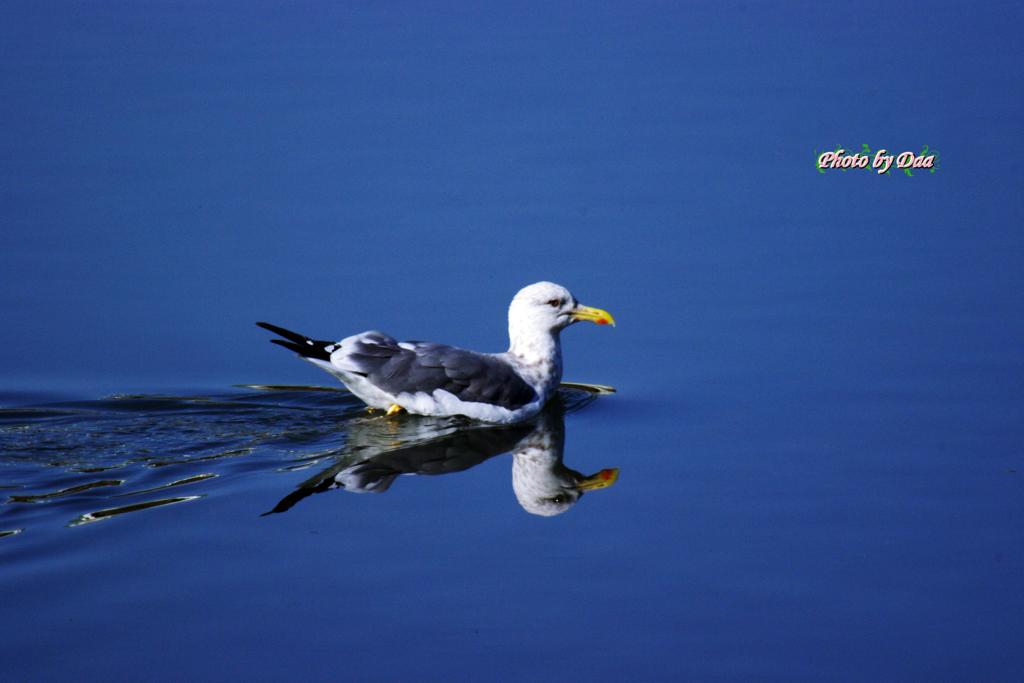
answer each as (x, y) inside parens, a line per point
(594, 315)
(601, 480)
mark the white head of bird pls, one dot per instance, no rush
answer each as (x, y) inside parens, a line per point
(540, 311)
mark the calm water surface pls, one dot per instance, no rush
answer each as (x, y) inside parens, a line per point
(818, 421)
(825, 536)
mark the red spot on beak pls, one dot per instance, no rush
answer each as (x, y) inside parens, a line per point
(602, 321)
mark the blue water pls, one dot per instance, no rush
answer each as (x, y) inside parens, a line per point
(818, 417)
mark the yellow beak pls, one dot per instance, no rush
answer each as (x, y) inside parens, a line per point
(594, 315)
(601, 480)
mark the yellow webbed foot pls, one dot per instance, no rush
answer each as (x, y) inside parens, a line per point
(394, 409)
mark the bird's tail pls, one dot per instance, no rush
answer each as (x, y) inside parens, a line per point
(304, 346)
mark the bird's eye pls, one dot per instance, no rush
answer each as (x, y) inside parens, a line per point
(555, 303)
(559, 499)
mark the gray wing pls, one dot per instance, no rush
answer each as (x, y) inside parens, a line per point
(426, 367)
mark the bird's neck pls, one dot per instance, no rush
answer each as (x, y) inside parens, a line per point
(536, 348)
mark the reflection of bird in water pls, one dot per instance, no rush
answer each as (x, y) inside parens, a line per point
(542, 483)
(434, 379)
(377, 451)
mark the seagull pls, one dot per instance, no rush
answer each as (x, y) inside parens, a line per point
(425, 378)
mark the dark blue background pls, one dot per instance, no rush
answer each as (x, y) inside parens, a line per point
(820, 374)
(172, 173)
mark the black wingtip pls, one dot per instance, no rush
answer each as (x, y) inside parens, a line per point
(291, 346)
(282, 332)
(299, 343)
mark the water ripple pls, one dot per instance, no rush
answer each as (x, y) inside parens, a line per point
(50, 453)
(100, 515)
(71, 490)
